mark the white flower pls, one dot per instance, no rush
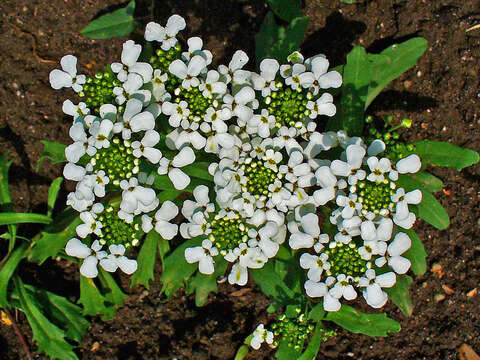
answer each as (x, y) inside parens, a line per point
(238, 103)
(191, 135)
(315, 265)
(349, 204)
(323, 79)
(179, 179)
(400, 244)
(90, 225)
(135, 197)
(165, 35)
(77, 111)
(177, 112)
(146, 148)
(67, 77)
(239, 59)
(322, 106)
(188, 72)
(262, 123)
(354, 154)
(261, 335)
(101, 133)
(343, 288)
(136, 119)
(130, 54)
(328, 181)
(76, 248)
(266, 80)
(378, 168)
(238, 275)
(403, 217)
(81, 145)
(299, 77)
(167, 212)
(373, 293)
(73, 172)
(202, 201)
(203, 255)
(306, 237)
(382, 233)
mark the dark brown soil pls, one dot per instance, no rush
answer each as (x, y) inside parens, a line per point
(441, 95)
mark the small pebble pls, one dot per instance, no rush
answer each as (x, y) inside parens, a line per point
(448, 290)
(437, 269)
(95, 346)
(439, 297)
(407, 84)
(472, 293)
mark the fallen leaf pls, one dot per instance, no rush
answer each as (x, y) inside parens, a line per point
(472, 292)
(241, 292)
(467, 353)
(437, 269)
(5, 319)
(95, 346)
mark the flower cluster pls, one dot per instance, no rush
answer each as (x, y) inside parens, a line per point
(276, 174)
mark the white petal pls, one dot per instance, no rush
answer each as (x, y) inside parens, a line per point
(411, 164)
(76, 248)
(300, 240)
(132, 108)
(400, 244)
(323, 196)
(205, 265)
(376, 147)
(167, 212)
(128, 266)
(130, 52)
(143, 121)
(399, 264)
(73, 172)
(89, 267)
(194, 254)
(374, 296)
(59, 79)
(179, 179)
(330, 303)
(186, 156)
(178, 68)
(196, 65)
(109, 263)
(167, 230)
(386, 280)
(314, 289)
(310, 224)
(413, 197)
(355, 154)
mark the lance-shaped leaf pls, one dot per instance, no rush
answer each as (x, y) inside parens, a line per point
(277, 42)
(416, 254)
(93, 301)
(356, 79)
(203, 284)
(19, 218)
(392, 63)
(52, 150)
(445, 154)
(286, 9)
(427, 181)
(361, 323)
(176, 271)
(113, 292)
(146, 260)
(49, 337)
(7, 271)
(115, 24)
(53, 193)
(400, 294)
(311, 351)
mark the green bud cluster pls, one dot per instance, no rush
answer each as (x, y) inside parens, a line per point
(395, 149)
(345, 259)
(228, 233)
(259, 178)
(117, 231)
(288, 106)
(162, 59)
(197, 103)
(292, 331)
(98, 91)
(117, 161)
(374, 196)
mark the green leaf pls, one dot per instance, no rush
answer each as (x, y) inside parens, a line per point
(51, 241)
(311, 351)
(427, 181)
(286, 9)
(115, 24)
(432, 211)
(286, 352)
(400, 294)
(416, 254)
(198, 170)
(7, 271)
(146, 260)
(10, 218)
(445, 154)
(110, 288)
(392, 63)
(176, 271)
(52, 150)
(361, 323)
(53, 193)
(93, 301)
(272, 286)
(356, 78)
(242, 352)
(5, 199)
(203, 284)
(49, 337)
(277, 42)
(317, 313)
(62, 312)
